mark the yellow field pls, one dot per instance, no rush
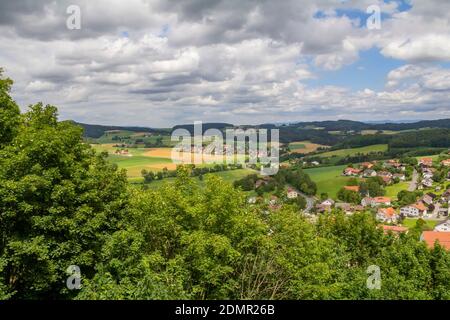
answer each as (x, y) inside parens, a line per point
(305, 147)
(156, 159)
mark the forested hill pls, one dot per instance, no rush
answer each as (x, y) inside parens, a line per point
(96, 131)
(349, 125)
(318, 131)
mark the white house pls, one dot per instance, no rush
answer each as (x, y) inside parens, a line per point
(428, 198)
(400, 176)
(370, 173)
(427, 183)
(387, 215)
(328, 202)
(292, 193)
(367, 201)
(443, 226)
(381, 201)
(414, 210)
(409, 211)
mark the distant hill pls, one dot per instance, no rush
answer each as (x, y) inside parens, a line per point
(205, 126)
(318, 131)
(96, 131)
(443, 124)
(349, 125)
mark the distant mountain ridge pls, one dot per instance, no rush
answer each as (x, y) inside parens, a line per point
(96, 131)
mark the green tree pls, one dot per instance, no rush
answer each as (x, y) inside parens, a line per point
(9, 112)
(57, 202)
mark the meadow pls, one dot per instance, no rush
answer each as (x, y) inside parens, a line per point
(328, 179)
(156, 159)
(411, 223)
(354, 151)
(228, 176)
(393, 190)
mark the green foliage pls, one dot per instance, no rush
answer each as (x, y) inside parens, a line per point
(9, 112)
(349, 196)
(61, 205)
(407, 197)
(57, 202)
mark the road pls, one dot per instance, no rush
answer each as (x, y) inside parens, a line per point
(414, 180)
(437, 207)
(309, 202)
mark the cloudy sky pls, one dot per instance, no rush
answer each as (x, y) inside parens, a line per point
(164, 62)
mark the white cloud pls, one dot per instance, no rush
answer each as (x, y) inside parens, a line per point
(157, 63)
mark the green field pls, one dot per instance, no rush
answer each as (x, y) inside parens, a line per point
(328, 179)
(411, 223)
(393, 190)
(295, 146)
(138, 160)
(130, 137)
(354, 151)
(228, 176)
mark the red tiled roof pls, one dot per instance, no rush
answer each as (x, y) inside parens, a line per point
(419, 206)
(352, 188)
(430, 237)
(388, 212)
(381, 199)
(397, 229)
(353, 170)
(426, 160)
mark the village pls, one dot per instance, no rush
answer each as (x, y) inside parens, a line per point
(426, 198)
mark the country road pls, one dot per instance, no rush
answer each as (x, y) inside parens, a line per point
(414, 180)
(309, 202)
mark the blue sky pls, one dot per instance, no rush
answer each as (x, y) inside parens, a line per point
(369, 72)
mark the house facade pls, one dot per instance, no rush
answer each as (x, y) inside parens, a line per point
(387, 215)
(443, 226)
(292, 193)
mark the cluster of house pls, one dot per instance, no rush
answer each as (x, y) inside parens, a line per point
(440, 234)
(122, 152)
(426, 207)
(427, 173)
(273, 202)
(328, 204)
(366, 170)
(348, 208)
(309, 164)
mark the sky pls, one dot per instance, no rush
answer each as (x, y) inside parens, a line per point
(158, 63)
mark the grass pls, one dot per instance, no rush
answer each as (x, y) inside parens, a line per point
(297, 145)
(354, 151)
(393, 190)
(135, 165)
(411, 223)
(228, 176)
(137, 162)
(328, 179)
